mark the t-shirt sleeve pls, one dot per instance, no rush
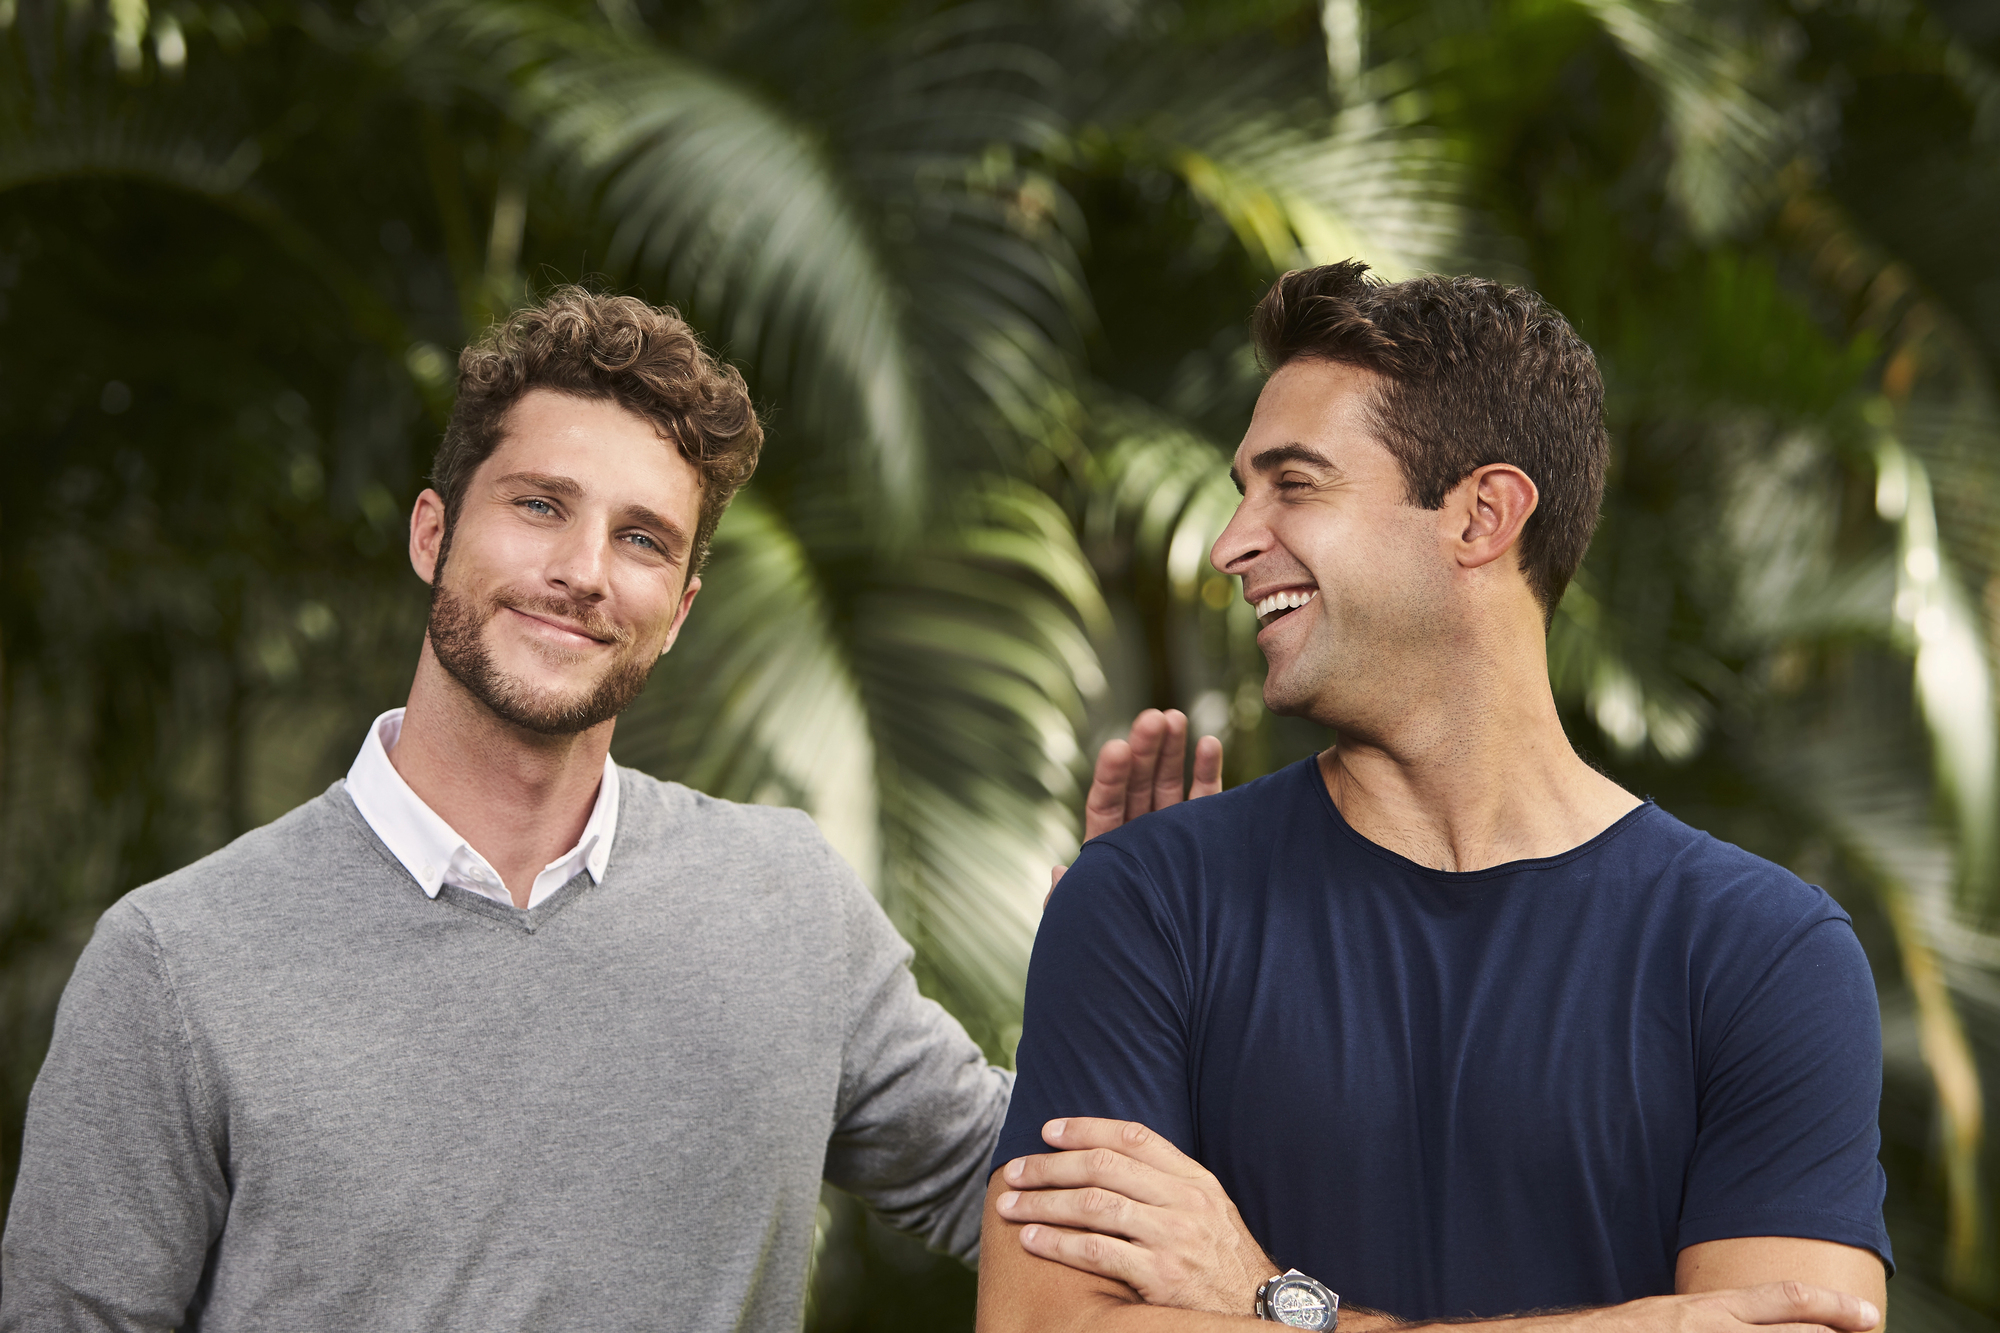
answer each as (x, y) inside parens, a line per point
(122, 1187)
(918, 1104)
(1105, 1028)
(1788, 1137)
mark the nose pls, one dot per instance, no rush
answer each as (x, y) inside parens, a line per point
(578, 564)
(1246, 538)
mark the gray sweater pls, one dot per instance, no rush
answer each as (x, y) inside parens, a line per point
(287, 1091)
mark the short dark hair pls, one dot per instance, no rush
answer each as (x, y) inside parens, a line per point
(1476, 373)
(644, 358)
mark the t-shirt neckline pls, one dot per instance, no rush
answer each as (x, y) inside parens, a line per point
(1605, 835)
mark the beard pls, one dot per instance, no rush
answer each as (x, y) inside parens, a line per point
(456, 635)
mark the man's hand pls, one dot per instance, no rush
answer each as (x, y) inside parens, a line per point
(1142, 774)
(1120, 1201)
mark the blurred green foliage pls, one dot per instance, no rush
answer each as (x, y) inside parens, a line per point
(988, 267)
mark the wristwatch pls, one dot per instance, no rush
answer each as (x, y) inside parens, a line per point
(1295, 1300)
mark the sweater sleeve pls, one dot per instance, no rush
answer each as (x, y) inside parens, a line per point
(919, 1107)
(122, 1187)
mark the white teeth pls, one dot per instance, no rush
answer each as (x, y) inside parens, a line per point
(1290, 599)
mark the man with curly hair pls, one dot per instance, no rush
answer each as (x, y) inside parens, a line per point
(495, 1034)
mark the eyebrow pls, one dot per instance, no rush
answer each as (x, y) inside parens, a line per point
(569, 489)
(1279, 454)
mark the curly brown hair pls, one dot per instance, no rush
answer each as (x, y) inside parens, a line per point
(644, 358)
(1475, 373)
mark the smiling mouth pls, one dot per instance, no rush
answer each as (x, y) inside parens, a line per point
(554, 624)
(1278, 605)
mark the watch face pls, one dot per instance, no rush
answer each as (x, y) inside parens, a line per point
(1300, 1302)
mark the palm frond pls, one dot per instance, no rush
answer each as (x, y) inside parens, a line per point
(1636, 698)
(1365, 189)
(71, 109)
(894, 266)
(1302, 175)
(951, 137)
(707, 181)
(758, 701)
(1166, 482)
(1864, 782)
(1937, 623)
(1728, 142)
(926, 713)
(979, 670)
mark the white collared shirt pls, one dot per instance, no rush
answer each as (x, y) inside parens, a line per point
(435, 854)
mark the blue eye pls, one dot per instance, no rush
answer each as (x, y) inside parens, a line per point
(539, 506)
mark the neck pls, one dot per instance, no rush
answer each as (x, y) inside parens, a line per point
(519, 798)
(1475, 770)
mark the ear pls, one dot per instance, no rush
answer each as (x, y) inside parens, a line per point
(680, 616)
(427, 534)
(1489, 509)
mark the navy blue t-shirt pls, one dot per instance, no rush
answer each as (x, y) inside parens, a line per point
(1449, 1094)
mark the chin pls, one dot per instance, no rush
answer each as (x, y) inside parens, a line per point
(550, 702)
(1284, 699)
(1304, 689)
(555, 712)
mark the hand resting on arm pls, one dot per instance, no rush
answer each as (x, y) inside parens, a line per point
(1142, 773)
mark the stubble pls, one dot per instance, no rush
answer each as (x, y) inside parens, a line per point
(456, 635)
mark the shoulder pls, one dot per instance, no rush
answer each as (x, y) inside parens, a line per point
(1222, 821)
(1724, 884)
(686, 814)
(1160, 866)
(259, 896)
(323, 838)
(1747, 924)
(743, 844)
(767, 869)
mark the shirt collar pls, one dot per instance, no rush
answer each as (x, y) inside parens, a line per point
(419, 838)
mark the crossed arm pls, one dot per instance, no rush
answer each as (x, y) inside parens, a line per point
(1120, 1230)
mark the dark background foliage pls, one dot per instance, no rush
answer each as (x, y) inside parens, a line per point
(988, 267)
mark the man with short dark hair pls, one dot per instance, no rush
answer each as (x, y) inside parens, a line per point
(1461, 1027)
(495, 1034)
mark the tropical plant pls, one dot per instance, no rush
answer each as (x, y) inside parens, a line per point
(987, 265)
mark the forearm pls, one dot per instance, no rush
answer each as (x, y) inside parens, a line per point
(1119, 1229)
(1719, 1265)
(1022, 1293)
(919, 1107)
(1743, 1309)
(1028, 1295)
(1060, 1306)
(1020, 1303)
